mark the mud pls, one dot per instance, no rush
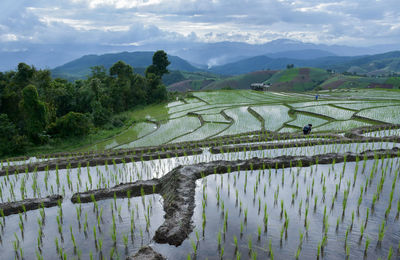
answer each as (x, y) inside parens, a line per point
(9, 208)
(178, 186)
(146, 253)
(120, 191)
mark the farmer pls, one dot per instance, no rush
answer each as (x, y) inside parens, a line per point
(307, 129)
(316, 97)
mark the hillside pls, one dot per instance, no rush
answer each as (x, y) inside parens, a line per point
(192, 81)
(80, 68)
(242, 81)
(298, 79)
(341, 81)
(210, 82)
(379, 64)
(253, 64)
(295, 79)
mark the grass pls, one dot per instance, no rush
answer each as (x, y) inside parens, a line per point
(132, 133)
(284, 75)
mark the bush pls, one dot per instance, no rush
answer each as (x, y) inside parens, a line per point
(10, 142)
(72, 124)
(100, 115)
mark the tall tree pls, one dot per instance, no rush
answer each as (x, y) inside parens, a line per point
(34, 112)
(160, 64)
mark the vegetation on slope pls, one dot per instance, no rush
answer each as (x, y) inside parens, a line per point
(298, 79)
(36, 110)
(81, 68)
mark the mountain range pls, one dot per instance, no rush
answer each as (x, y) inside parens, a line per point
(379, 64)
(201, 54)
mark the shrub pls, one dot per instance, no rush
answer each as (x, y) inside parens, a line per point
(72, 124)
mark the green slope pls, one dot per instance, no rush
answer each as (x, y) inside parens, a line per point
(242, 81)
(208, 81)
(341, 81)
(298, 79)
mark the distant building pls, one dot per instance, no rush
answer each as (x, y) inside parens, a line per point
(260, 86)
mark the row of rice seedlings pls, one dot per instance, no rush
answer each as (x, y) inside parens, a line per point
(382, 132)
(129, 172)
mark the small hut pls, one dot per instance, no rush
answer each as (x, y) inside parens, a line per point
(260, 86)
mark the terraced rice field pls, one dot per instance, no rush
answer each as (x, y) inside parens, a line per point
(272, 111)
(302, 120)
(329, 111)
(274, 116)
(342, 125)
(261, 196)
(383, 114)
(172, 129)
(243, 121)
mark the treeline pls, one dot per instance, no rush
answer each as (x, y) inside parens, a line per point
(35, 109)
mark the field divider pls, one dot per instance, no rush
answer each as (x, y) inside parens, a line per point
(345, 108)
(9, 208)
(367, 120)
(315, 115)
(258, 116)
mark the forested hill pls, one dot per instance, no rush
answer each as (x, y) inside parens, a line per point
(38, 110)
(80, 68)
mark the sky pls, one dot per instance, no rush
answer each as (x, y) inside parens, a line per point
(78, 23)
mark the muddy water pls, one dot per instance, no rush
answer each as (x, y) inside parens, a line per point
(227, 185)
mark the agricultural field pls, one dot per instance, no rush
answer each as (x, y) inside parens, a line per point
(247, 111)
(329, 111)
(384, 114)
(223, 180)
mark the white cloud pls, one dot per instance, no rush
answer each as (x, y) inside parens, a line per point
(9, 37)
(92, 25)
(252, 21)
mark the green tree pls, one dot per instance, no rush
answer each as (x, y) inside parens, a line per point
(121, 70)
(24, 75)
(34, 112)
(156, 91)
(160, 64)
(71, 124)
(100, 115)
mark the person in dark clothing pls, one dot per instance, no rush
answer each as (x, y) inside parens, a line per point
(307, 129)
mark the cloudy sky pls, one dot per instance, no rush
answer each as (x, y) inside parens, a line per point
(25, 23)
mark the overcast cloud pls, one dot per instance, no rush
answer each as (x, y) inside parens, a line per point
(142, 22)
